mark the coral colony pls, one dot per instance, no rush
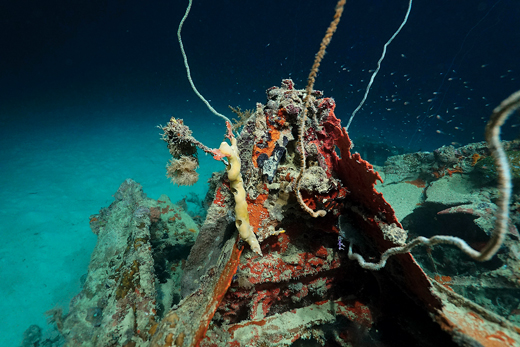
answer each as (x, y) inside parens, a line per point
(293, 236)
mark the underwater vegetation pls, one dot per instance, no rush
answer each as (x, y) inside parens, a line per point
(488, 169)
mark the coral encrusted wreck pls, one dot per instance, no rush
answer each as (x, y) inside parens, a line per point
(140, 291)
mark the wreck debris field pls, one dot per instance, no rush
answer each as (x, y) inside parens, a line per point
(88, 211)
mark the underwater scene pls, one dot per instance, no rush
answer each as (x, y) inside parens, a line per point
(260, 173)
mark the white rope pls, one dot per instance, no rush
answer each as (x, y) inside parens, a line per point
(379, 65)
(188, 68)
(499, 116)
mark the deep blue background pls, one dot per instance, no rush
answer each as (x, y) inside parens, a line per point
(124, 53)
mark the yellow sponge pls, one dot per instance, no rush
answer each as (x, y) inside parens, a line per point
(237, 187)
